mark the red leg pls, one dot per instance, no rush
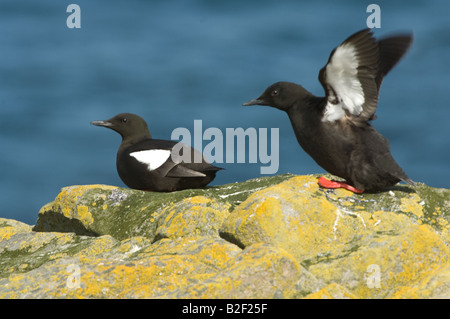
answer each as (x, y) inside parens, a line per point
(326, 183)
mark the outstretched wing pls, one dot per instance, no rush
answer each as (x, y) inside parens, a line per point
(354, 73)
(349, 79)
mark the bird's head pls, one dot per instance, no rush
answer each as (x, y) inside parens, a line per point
(127, 125)
(281, 95)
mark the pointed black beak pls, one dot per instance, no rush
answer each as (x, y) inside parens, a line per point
(257, 101)
(102, 123)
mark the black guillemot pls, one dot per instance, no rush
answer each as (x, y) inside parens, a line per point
(335, 130)
(150, 164)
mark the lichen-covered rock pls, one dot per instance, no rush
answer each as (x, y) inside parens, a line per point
(95, 210)
(192, 216)
(259, 271)
(433, 284)
(296, 216)
(380, 264)
(340, 236)
(273, 237)
(332, 291)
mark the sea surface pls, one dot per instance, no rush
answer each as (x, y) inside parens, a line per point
(173, 62)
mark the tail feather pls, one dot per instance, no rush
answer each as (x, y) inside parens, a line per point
(409, 181)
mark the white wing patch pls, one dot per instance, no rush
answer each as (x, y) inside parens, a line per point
(152, 158)
(342, 76)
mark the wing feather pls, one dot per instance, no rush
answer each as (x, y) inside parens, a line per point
(349, 79)
(354, 72)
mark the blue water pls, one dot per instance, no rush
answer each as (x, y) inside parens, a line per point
(176, 61)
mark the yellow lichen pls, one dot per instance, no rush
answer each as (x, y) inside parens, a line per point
(67, 199)
(337, 236)
(332, 291)
(7, 232)
(412, 205)
(84, 215)
(124, 248)
(197, 200)
(434, 284)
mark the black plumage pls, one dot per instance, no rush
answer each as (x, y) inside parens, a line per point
(156, 165)
(335, 130)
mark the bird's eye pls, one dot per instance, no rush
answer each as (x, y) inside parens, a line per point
(124, 120)
(275, 92)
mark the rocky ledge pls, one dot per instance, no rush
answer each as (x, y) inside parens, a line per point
(272, 237)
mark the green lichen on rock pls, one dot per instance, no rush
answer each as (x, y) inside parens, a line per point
(271, 237)
(95, 210)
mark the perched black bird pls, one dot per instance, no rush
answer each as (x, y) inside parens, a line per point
(156, 165)
(335, 130)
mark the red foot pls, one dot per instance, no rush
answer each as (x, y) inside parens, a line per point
(323, 182)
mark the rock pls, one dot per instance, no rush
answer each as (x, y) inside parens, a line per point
(259, 271)
(191, 216)
(340, 237)
(434, 284)
(332, 291)
(95, 210)
(272, 237)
